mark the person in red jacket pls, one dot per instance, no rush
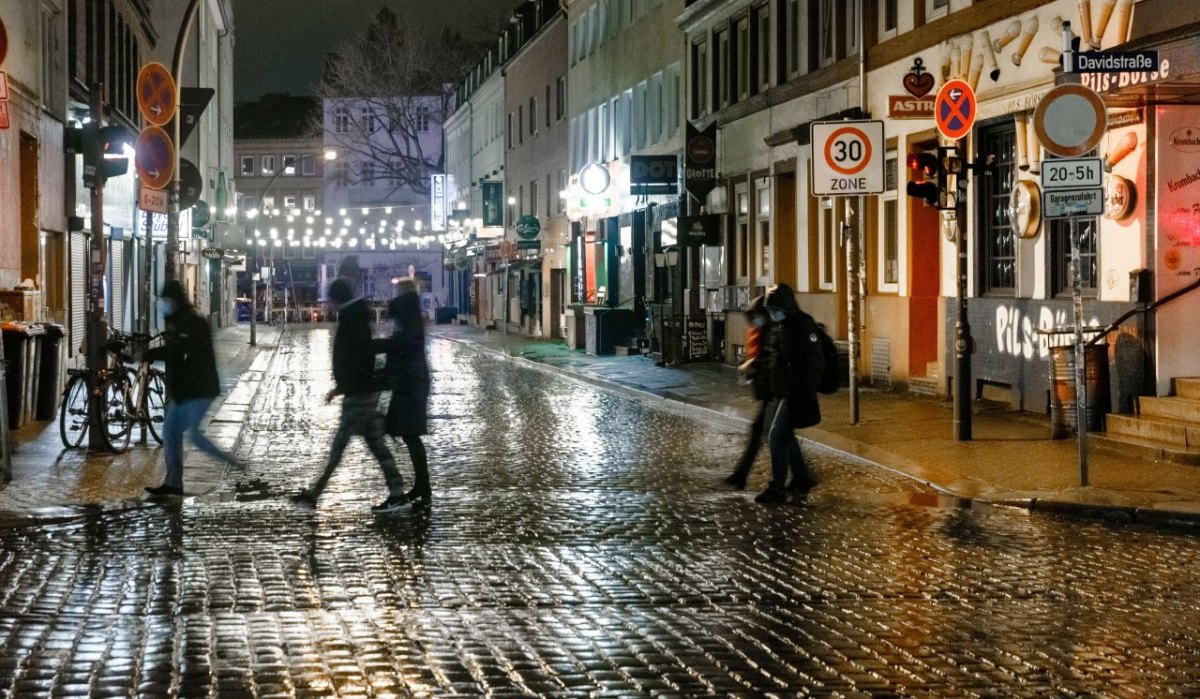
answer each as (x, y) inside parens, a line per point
(192, 384)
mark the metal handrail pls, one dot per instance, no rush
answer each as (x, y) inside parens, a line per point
(1145, 309)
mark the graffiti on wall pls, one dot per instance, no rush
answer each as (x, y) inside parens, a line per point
(1022, 332)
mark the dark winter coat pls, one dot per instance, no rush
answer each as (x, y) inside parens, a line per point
(406, 372)
(187, 350)
(796, 365)
(353, 352)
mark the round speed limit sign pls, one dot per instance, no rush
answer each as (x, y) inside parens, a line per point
(847, 158)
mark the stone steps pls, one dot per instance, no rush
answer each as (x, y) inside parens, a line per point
(1165, 427)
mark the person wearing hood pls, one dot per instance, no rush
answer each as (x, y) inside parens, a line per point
(354, 380)
(192, 383)
(755, 370)
(406, 374)
(796, 364)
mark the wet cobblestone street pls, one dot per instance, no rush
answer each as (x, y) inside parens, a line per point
(580, 543)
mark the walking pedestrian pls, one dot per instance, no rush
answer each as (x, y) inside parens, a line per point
(406, 374)
(796, 364)
(354, 380)
(755, 369)
(192, 384)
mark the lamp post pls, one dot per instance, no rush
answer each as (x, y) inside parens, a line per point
(512, 201)
(329, 155)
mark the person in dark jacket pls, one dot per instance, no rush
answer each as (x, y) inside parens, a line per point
(796, 364)
(192, 383)
(755, 369)
(406, 374)
(354, 380)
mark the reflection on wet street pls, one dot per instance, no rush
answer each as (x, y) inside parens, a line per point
(579, 543)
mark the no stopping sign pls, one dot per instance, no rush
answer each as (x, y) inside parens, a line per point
(847, 158)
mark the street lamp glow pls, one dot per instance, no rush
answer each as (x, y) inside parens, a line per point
(331, 154)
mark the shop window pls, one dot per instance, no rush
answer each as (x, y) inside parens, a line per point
(1061, 231)
(996, 242)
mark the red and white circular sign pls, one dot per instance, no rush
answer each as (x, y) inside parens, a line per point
(847, 158)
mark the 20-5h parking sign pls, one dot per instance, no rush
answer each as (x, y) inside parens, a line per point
(847, 158)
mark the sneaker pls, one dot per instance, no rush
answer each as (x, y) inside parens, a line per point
(771, 495)
(164, 490)
(395, 504)
(305, 497)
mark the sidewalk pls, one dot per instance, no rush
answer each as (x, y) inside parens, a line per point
(50, 481)
(1011, 459)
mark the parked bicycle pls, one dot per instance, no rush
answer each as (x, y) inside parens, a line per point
(131, 396)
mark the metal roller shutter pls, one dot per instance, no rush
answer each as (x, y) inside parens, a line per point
(116, 292)
(78, 301)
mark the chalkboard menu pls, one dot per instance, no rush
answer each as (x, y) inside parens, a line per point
(697, 338)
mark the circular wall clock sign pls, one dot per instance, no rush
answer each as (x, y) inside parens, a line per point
(1119, 197)
(1025, 209)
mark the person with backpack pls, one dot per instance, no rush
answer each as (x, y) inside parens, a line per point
(354, 380)
(756, 371)
(796, 367)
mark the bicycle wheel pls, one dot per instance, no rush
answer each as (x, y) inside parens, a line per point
(73, 413)
(119, 415)
(155, 407)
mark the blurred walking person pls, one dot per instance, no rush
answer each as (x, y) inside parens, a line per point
(796, 364)
(755, 369)
(406, 374)
(192, 383)
(354, 380)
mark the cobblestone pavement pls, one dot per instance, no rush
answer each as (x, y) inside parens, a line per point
(579, 545)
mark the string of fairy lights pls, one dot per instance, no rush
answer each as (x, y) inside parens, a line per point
(367, 228)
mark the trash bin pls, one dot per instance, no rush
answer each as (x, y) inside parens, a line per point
(18, 369)
(1063, 415)
(50, 374)
(446, 314)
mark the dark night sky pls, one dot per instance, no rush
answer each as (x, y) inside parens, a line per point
(280, 44)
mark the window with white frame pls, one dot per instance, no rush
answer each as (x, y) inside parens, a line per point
(308, 166)
(268, 165)
(742, 244)
(394, 171)
(289, 164)
(761, 18)
(827, 239)
(762, 230)
(268, 203)
(310, 202)
(741, 48)
(889, 18)
(533, 197)
(826, 51)
(790, 49)
(341, 119)
(367, 119)
(626, 122)
(889, 227)
(247, 164)
(672, 94)
(853, 25)
(700, 92)
(422, 119)
(368, 174)
(654, 110)
(614, 127)
(639, 115)
(560, 97)
(721, 68)
(936, 8)
(560, 196)
(289, 203)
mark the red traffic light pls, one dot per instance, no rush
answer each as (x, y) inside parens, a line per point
(923, 164)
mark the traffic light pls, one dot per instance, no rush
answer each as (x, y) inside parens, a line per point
(101, 147)
(926, 167)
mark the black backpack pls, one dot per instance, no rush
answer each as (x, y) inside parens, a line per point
(831, 379)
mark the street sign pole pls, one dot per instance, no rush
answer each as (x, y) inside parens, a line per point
(96, 334)
(1081, 426)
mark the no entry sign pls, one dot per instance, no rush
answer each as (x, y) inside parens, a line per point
(847, 157)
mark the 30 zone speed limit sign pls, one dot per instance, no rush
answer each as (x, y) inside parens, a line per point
(847, 158)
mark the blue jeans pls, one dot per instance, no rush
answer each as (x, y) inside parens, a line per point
(184, 417)
(785, 449)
